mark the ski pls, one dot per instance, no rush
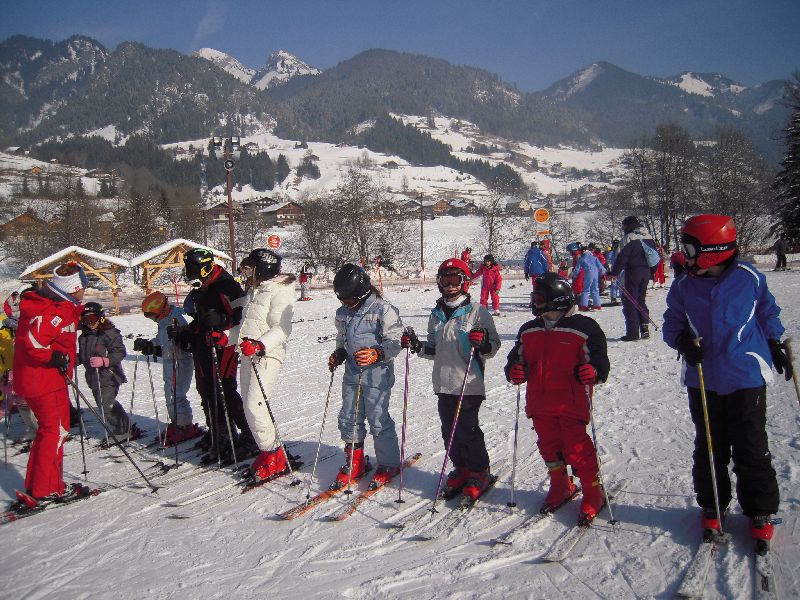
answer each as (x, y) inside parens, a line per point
(367, 494)
(311, 503)
(458, 514)
(15, 515)
(765, 576)
(532, 523)
(694, 581)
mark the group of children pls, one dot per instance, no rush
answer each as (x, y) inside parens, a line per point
(720, 314)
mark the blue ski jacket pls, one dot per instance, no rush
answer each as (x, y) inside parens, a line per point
(535, 263)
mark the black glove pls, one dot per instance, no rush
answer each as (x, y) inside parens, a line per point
(177, 333)
(157, 351)
(144, 346)
(336, 358)
(410, 340)
(692, 350)
(779, 359)
(213, 320)
(60, 361)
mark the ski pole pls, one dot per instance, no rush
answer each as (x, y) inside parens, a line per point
(111, 433)
(353, 437)
(133, 394)
(155, 404)
(788, 345)
(637, 306)
(81, 428)
(453, 430)
(511, 503)
(8, 426)
(612, 520)
(274, 424)
(175, 381)
(704, 402)
(100, 401)
(319, 441)
(221, 396)
(405, 422)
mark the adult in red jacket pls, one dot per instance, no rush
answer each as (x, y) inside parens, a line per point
(492, 282)
(44, 351)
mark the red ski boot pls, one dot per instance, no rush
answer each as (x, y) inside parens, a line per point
(593, 501)
(761, 530)
(383, 475)
(180, 433)
(561, 488)
(456, 480)
(360, 466)
(269, 464)
(477, 484)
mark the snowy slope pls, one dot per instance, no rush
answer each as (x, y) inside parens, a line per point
(123, 545)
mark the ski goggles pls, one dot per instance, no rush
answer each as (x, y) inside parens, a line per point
(150, 315)
(350, 302)
(92, 318)
(692, 247)
(451, 280)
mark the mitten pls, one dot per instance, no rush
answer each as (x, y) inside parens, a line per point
(367, 356)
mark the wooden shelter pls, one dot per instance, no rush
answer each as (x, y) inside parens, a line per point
(168, 255)
(96, 265)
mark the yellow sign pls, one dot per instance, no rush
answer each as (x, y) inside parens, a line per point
(541, 215)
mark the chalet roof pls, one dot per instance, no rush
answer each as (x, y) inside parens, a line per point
(167, 246)
(54, 258)
(277, 207)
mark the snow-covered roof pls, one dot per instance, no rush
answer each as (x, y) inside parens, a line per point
(275, 207)
(78, 250)
(167, 246)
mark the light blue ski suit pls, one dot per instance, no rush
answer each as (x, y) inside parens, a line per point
(184, 368)
(593, 269)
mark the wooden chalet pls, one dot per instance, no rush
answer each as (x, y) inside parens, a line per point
(168, 255)
(23, 225)
(288, 213)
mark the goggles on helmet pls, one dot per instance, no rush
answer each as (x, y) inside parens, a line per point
(350, 302)
(692, 247)
(92, 318)
(450, 280)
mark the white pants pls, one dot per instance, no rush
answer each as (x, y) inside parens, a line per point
(255, 409)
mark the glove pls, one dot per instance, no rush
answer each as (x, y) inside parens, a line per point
(517, 374)
(59, 360)
(527, 277)
(157, 351)
(692, 351)
(250, 347)
(144, 346)
(212, 319)
(585, 374)
(410, 340)
(219, 338)
(98, 361)
(367, 356)
(336, 358)
(479, 339)
(174, 332)
(779, 359)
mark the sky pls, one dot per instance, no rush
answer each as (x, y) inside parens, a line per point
(529, 43)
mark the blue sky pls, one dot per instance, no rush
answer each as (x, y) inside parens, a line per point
(531, 43)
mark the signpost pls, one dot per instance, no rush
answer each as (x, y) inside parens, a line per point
(274, 241)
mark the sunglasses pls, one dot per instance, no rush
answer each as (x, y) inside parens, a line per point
(451, 280)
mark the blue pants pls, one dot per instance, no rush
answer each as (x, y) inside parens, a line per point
(183, 379)
(613, 290)
(591, 289)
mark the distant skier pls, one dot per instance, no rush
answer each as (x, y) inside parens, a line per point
(613, 286)
(659, 277)
(561, 355)
(11, 306)
(368, 330)
(780, 254)
(535, 262)
(306, 273)
(592, 270)
(466, 255)
(492, 282)
(722, 316)
(455, 326)
(632, 259)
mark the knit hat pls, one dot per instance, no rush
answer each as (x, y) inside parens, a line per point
(69, 277)
(630, 223)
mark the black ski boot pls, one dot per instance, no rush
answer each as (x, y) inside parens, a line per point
(644, 332)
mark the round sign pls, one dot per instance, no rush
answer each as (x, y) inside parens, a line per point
(541, 215)
(229, 165)
(274, 241)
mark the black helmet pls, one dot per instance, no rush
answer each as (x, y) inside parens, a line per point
(94, 312)
(266, 263)
(198, 264)
(553, 292)
(488, 257)
(352, 283)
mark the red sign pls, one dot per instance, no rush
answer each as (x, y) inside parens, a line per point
(274, 241)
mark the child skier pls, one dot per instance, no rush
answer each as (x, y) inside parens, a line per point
(592, 270)
(456, 326)
(368, 332)
(561, 355)
(723, 316)
(305, 279)
(262, 337)
(101, 351)
(492, 282)
(176, 363)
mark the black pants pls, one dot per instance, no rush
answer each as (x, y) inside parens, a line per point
(738, 430)
(781, 261)
(469, 448)
(636, 285)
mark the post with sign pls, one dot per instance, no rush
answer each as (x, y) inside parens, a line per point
(230, 151)
(274, 241)
(542, 217)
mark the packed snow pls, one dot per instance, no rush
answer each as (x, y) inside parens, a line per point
(124, 543)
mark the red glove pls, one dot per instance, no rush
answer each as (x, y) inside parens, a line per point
(367, 356)
(98, 361)
(517, 374)
(410, 340)
(478, 338)
(250, 347)
(219, 338)
(586, 374)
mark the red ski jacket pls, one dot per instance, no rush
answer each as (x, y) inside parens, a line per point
(551, 357)
(47, 322)
(492, 277)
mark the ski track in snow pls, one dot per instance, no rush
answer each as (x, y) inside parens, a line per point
(120, 545)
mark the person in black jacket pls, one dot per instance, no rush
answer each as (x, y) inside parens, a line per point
(632, 260)
(215, 304)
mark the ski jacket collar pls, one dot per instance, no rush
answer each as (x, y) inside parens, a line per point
(59, 293)
(445, 313)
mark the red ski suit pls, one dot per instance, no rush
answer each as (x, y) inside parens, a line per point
(554, 398)
(492, 282)
(47, 323)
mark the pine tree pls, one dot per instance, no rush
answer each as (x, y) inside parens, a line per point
(282, 170)
(787, 182)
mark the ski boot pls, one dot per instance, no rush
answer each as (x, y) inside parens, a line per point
(383, 475)
(644, 332)
(476, 484)
(205, 441)
(360, 464)
(710, 523)
(456, 480)
(583, 308)
(180, 433)
(562, 489)
(761, 530)
(246, 447)
(593, 501)
(269, 464)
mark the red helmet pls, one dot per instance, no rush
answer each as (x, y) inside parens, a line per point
(454, 266)
(709, 240)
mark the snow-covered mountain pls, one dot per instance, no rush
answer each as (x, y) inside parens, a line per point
(281, 66)
(706, 84)
(227, 63)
